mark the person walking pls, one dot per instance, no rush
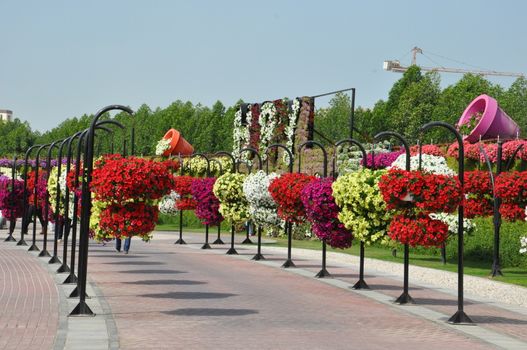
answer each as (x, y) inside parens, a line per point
(126, 244)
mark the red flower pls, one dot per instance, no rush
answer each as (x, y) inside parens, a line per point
(418, 230)
(130, 219)
(286, 191)
(183, 187)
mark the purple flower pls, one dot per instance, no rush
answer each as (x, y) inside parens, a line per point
(381, 160)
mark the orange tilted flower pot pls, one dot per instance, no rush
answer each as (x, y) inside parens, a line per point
(178, 144)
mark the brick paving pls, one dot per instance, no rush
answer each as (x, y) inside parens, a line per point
(166, 296)
(29, 310)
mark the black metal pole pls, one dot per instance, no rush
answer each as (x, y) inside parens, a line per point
(12, 219)
(405, 297)
(25, 211)
(206, 245)
(232, 250)
(44, 252)
(496, 266)
(33, 246)
(218, 239)
(460, 316)
(258, 255)
(352, 116)
(82, 308)
(361, 284)
(180, 240)
(289, 231)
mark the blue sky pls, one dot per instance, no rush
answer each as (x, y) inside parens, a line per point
(61, 59)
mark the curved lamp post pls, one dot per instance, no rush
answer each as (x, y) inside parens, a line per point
(253, 151)
(405, 297)
(82, 308)
(33, 246)
(460, 316)
(25, 211)
(361, 283)
(12, 219)
(288, 226)
(323, 272)
(206, 245)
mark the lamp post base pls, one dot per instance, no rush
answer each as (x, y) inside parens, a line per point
(404, 298)
(288, 263)
(33, 248)
(71, 279)
(82, 309)
(247, 241)
(63, 268)
(44, 254)
(22, 242)
(258, 256)
(361, 284)
(54, 260)
(10, 238)
(460, 317)
(232, 251)
(206, 246)
(218, 241)
(180, 241)
(323, 273)
(496, 271)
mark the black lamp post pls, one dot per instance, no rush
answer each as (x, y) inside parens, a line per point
(361, 283)
(12, 199)
(405, 297)
(82, 308)
(206, 245)
(220, 167)
(233, 169)
(33, 246)
(257, 155)
(323, 272)
(26, 212)
(460, 316)
(288, 226)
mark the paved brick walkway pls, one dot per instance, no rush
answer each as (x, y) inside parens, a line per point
(29, 310)
(166, 296)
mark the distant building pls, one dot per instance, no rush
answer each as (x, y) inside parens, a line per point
(6, 114)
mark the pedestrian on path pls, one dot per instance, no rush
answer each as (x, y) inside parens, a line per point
(126, 244)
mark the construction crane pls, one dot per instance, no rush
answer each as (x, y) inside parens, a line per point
(395, 66)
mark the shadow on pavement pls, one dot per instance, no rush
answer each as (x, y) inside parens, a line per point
(134, 263)
(432, 301)
(165, 282)
(159, 271)
(210, 312)
(496, 319)
(390, 287)
(189, 295)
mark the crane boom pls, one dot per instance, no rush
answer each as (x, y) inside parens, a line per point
(395, 66)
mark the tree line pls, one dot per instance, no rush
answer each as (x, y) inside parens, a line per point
(413, 100)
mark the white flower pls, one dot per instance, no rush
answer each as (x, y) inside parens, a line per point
(241, 134)
(168, 203)
(262, 207)
(451, 221)
(267, 121)
(162, 146)
(291, 127)
(523, 245)
(429, 163)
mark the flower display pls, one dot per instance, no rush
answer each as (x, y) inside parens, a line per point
(381, 160)
(478, 194)
(241, 134)
(291, 128)
(207, 207)
(429, 163)
(41, 188)
(54, 183)
(267, 121)
(197, 166)
(451, 220)
(322, 212)
(363, 210)
(167, 205)
(403, 189)
(162, 146)
(262, 207)
(470, 151)
(183, 187)
(286, 191)
(129, 219)
(118, 179)
(510, 147)
(229, 191)
(433, 150)
(96, 232)
(511, 187)
(254, 127)
(417, 230)
(11, 199)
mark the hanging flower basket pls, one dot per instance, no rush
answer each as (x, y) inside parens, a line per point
(419, 230)
(130, 219)
(228, 188)
(207, 207)
(182, 186)
(286, 191)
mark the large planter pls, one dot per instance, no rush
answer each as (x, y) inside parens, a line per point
(493, 123)
(178, 144)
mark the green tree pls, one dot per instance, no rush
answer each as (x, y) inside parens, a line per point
(514, 103)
